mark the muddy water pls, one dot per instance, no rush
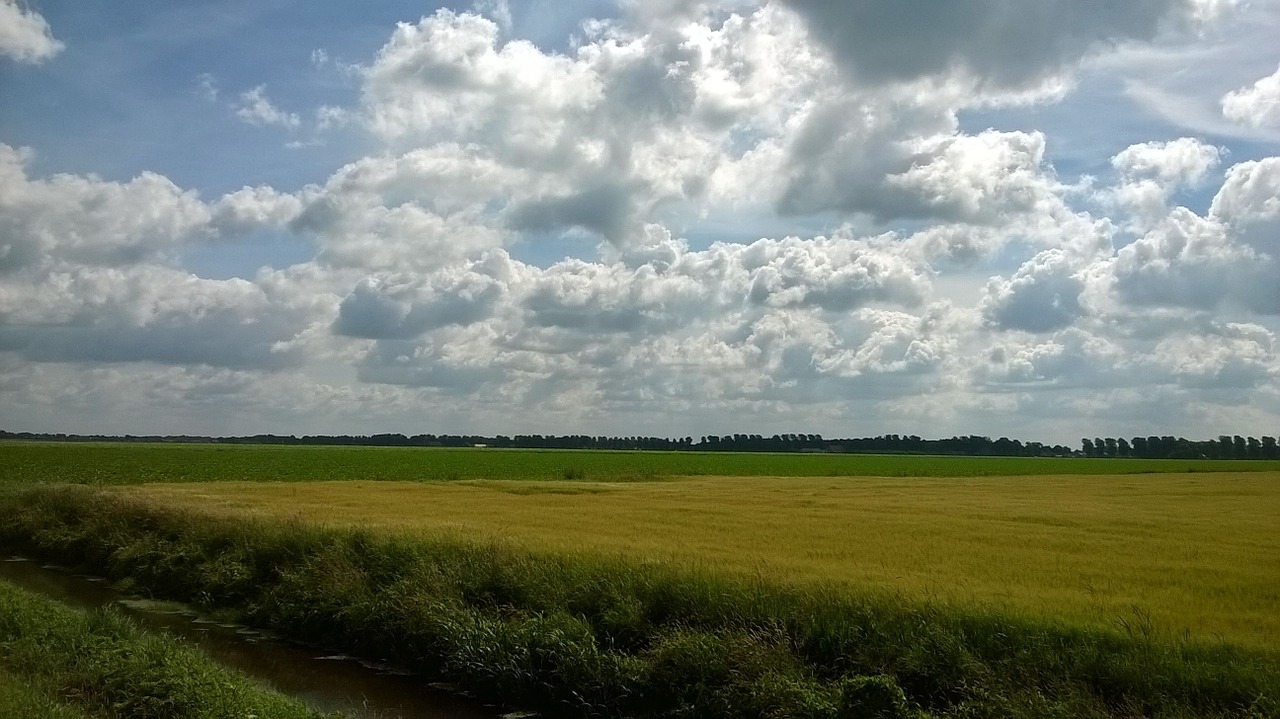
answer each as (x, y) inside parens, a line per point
(361, 690)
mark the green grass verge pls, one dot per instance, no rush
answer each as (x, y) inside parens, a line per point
(26, 697)
(36, 462)
(589, 637)
(102, 664)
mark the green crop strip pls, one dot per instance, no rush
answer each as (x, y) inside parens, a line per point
(36, 462)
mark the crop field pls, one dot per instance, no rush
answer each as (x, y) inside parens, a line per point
(704, 584)
(121, 463)
(1174, 555)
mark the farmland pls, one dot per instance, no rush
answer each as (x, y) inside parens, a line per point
(105, 463)
(688, 584)
(1093, 548)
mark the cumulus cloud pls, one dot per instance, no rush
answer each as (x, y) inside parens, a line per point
(908, 268)
(773, 321)
(1257, 105)
(1249, 202)
(25, 35)
(1152, 172)
(1186, 261)
(1043, 295)
(1230, 355)
(145, 313)
(418, 210)
(88, 220)
(251, 208)
(405, 306)
(978, 179)
(85, 220)
(1178, 163)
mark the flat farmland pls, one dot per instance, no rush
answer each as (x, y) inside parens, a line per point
(106, 463)
(1166, 555)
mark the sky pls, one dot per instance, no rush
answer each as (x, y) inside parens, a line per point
(1047, 220)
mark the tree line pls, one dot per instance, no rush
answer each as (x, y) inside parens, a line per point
(1224, 447)
(1165, 447)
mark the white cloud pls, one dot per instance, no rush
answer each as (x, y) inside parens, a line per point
(1249, 202)
(25, 35)
(256, 108)
(980, 179)
(1152, 172)
(252, 208)
(405, 306)
(416, 211)
(1043, 295)
(1230, 355)
(1255, 106)
(1179, 163)
(145, 313)
(1187, 261)
(88, 220)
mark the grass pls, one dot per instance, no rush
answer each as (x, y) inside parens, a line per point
(1143, 551)
(578, 634)
(23, 697)
(57, 662)
(105, 463)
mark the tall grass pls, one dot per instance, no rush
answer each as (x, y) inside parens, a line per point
(593, 637)
(25, 697)
(56, 662)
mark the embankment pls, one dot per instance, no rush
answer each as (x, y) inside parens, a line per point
(585, 636)
(58, 662)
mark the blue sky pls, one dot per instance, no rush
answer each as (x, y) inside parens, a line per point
(640, 218)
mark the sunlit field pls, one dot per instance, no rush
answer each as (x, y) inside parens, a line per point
(1169, 555)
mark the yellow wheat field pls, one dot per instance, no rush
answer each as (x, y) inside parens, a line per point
(1195, 555)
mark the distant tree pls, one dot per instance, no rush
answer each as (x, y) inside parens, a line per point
(1269, 448)
(1087, 447)
(1122, 447)
(1241, 447)
(1112, 448)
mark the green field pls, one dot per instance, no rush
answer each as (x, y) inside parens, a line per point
(102, 463)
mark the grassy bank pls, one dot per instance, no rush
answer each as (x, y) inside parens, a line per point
(581, 636)
(22, 697)
(35, 462)
(57, 662)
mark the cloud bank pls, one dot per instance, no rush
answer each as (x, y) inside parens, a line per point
(768, 216)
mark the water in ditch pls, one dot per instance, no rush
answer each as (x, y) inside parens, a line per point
(360, 689)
